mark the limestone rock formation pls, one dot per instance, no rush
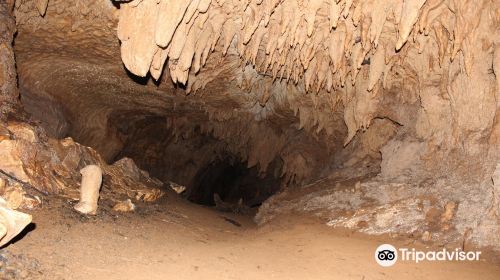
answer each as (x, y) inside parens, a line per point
(124, 206)
(89, 190)
(307, 97)
(8, 86)
(51, 166)
(11, 222)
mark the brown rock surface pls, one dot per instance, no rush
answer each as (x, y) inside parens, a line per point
(377, 116)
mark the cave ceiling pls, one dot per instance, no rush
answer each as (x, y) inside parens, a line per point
(265, 77)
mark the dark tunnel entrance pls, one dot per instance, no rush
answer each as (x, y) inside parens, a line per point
(198, 161)
(232, 181)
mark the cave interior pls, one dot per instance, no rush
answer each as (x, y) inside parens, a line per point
(379, 117)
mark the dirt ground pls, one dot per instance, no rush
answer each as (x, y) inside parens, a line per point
(173, 239)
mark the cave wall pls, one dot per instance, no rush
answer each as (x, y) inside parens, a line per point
(8, 78)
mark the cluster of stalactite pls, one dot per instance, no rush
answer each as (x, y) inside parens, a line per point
(426, 65)
(353, 50)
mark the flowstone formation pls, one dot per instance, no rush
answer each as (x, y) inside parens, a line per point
(377, 115)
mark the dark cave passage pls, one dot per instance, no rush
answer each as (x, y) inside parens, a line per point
(196, 160)
(232, 181)
(190, 157)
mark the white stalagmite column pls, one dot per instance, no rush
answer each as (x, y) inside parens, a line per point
(12, 222)
(89, 191)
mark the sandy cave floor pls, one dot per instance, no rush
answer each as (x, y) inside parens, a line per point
(173, 239)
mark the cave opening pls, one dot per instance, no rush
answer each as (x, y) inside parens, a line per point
(200, 162)
(232, 181)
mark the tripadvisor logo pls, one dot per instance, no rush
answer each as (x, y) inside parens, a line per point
(387, 255)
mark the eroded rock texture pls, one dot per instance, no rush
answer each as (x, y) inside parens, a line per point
(33, 161)
(402, 93)
(8, 83)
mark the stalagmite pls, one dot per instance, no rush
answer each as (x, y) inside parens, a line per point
(89, 191)
(12, 222)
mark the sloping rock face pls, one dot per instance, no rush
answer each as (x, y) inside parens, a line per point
(49, 166)
(447, 211)
(404, 94)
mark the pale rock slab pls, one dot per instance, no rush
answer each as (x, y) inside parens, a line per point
(11, 222)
